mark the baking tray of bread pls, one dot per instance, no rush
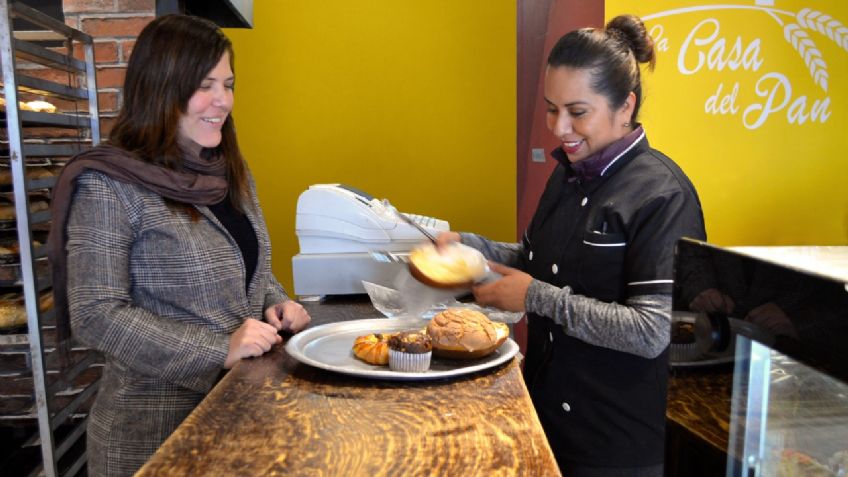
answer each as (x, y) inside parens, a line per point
(330, 347)
(13, 311)
(39, 208)
(39, 176)
(10, 249)
(10, 273)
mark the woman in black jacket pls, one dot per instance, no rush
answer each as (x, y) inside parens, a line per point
(594, 271)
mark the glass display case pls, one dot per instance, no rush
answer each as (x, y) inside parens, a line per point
(790, 419)
(780, 316)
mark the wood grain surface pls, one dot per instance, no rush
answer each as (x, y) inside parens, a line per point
(275, 416)
(699, 401)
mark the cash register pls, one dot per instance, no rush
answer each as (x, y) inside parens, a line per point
(343, 232)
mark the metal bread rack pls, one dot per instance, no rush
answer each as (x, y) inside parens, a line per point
(46, 384)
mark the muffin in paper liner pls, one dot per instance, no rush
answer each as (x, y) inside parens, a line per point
(410, 351)
(679, 352)
(409, 362)
(690, 337)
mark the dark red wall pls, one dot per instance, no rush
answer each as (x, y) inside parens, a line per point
(540, 24)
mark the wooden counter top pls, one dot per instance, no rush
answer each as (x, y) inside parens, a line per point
(275, 416)
(698, 422)
(700, 402)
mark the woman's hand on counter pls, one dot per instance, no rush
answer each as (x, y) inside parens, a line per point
(507, 293)
(252, 338)
(288, 316)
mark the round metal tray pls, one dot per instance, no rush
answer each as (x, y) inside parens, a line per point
(728, 354)
(330, 347)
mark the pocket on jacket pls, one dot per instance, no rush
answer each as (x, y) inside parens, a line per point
(602, 264)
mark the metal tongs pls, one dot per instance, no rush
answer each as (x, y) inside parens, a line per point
(400, 257)
(415, 224)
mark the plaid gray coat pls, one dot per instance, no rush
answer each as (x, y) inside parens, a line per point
(158, 295)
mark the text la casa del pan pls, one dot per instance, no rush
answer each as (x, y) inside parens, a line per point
(705, 48)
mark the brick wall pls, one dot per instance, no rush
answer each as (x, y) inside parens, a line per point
(114, 25)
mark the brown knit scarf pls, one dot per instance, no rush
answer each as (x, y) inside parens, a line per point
(201, 182)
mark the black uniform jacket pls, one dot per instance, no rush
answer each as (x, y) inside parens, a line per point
(608, 238)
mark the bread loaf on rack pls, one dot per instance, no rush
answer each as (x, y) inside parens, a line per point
(13, 311)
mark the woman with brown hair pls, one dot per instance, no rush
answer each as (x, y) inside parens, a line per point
(160, 253)
(594, 271)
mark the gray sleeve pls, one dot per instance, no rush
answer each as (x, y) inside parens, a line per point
(275, 293)
(641, 326)
(103, 315)
(506, 253)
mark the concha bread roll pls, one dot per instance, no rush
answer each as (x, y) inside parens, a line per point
(461, 333)
(452, 266)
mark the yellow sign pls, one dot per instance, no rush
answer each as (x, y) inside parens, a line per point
(751, 99)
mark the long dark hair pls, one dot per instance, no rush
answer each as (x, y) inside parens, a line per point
(171, 57)
(611, 55)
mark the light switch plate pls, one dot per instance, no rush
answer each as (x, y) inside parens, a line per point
(537, 155)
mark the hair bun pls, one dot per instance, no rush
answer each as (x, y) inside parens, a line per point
(630, 30)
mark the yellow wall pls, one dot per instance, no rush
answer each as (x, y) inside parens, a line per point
(409, 100)
(778, 182)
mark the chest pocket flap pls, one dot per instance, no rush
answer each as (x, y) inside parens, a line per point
(602, 264)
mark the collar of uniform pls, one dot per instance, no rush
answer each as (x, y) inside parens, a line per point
(598, 163)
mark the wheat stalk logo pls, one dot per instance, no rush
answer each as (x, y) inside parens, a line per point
(819, 22)
(805, 46)
(824, 24)
(795, 31)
